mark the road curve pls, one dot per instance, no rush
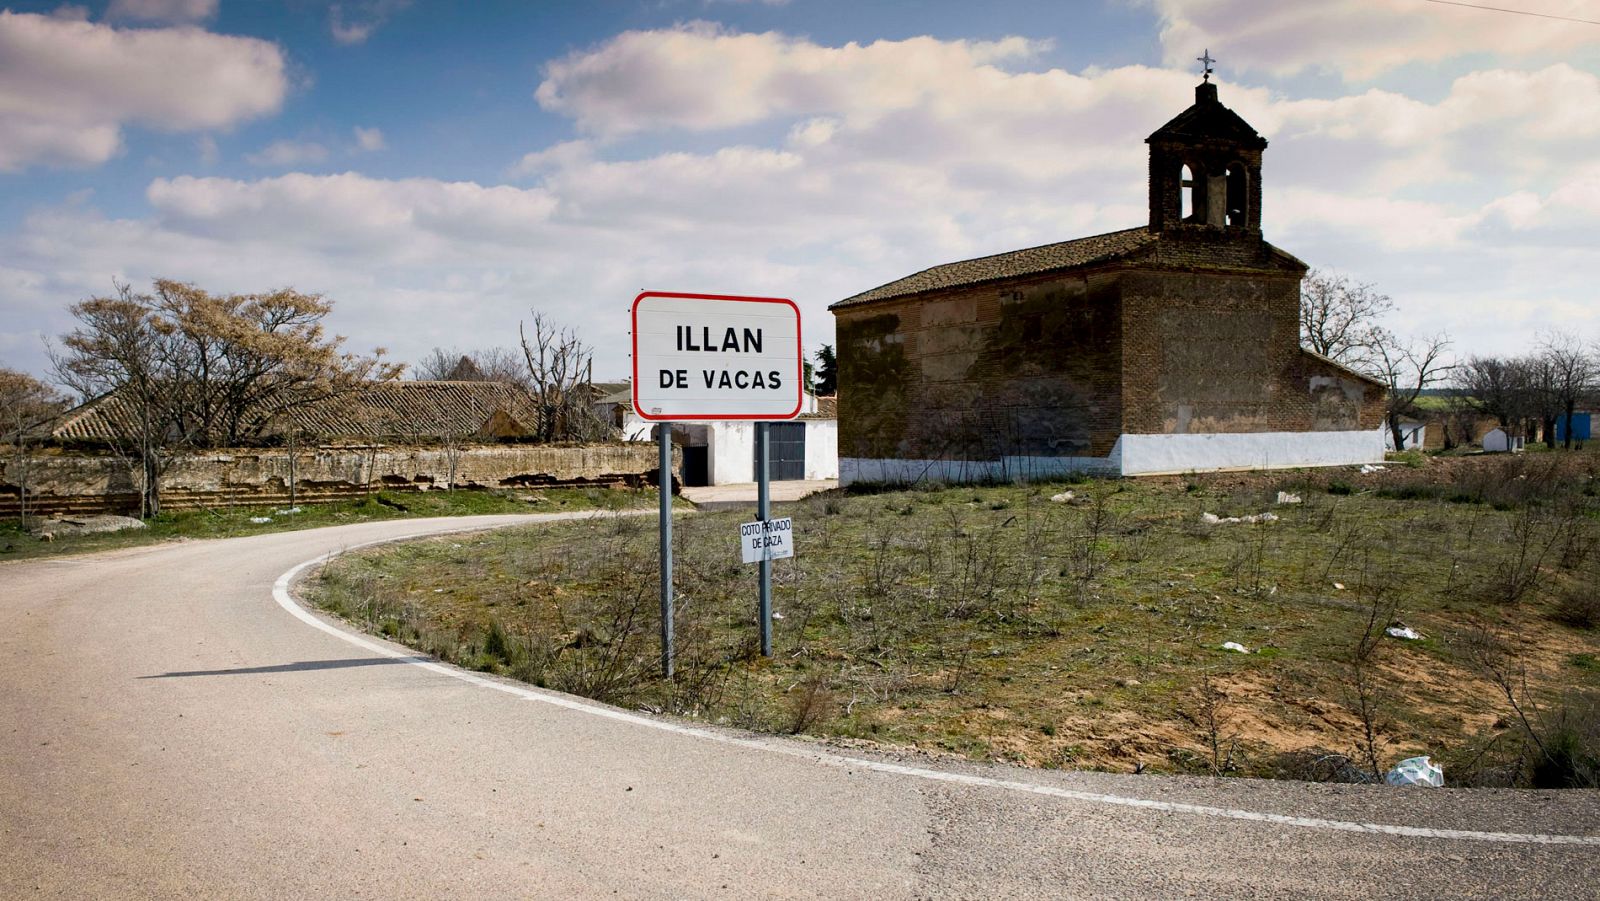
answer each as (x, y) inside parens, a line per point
(167, 729)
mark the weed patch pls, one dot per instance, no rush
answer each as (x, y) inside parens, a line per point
(997, 623)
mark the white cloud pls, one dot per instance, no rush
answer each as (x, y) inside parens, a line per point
(554, 157)
(68, 87)
(408, 218)
(288, 153)
(1360, 38)
(865, 186)
(369, 139)
(353, 23)
(165, 11)
(699, 76)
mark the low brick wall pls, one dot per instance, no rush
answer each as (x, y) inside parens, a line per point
(81, 483)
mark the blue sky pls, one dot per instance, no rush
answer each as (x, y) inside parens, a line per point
(439, 169)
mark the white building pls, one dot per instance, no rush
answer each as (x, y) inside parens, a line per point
(720, 452)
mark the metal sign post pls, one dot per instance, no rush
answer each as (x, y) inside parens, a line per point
(764, 513)
(717, 357)
(664, 484)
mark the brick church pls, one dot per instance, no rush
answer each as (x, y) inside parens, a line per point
(1171, 347)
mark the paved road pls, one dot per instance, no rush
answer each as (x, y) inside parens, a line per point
(167, 729)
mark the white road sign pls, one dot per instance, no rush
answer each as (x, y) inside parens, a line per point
(769, 543)
(712, 356)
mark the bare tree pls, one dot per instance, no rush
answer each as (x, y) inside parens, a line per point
(1338, 319)
(181, 368)
(559, 366)
(1572, 377)
(1542, 396)
(246, 360)
(122, 351)
(489, 364)
(1495, 386)
(1406, 369)
(26, 404)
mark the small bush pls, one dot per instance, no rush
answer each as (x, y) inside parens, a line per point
(809, 704)
(1578, 606)
(1340, 488)
(1315, 764)
(1570, 755)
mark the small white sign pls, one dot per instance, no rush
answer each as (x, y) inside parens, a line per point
(711, 356)
(768, 540)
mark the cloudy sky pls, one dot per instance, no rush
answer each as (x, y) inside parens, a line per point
(439, 169)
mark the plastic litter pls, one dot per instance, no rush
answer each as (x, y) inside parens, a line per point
(1416, 771)
(1063, 497)
(1285, 497)
(777, 615)
(260, 519)
(1368, 467)
(1236, 647)
(1339, 585)
(1405, 632)
(1212, 519)
(289, 512)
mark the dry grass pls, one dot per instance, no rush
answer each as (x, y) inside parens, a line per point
(996, 624)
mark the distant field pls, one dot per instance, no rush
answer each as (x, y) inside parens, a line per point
(17, 543)
(998, 624)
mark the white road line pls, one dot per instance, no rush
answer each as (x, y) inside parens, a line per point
(280, 593)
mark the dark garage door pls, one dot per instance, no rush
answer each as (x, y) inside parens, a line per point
(787, 441)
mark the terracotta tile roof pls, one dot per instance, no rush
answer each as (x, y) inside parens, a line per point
(1353, 373)
(416, 409)
(394, 410)
(624, 396)
(1029, 261)
(1208, 118)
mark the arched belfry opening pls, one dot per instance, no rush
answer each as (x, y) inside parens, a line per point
(1205, 170)
(1238, 192)
(1191, 195)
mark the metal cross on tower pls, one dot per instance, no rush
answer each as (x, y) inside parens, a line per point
(1207, 60)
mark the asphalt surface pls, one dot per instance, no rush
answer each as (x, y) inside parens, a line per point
(167, 729)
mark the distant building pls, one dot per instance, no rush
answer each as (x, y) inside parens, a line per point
(722, 452)
(1580, 427)
(1170, 347)
(1413, 435)
(1497, 441)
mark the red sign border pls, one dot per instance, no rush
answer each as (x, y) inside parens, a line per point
(799, 346)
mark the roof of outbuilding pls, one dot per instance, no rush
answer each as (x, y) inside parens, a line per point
(1353, 373)
(395, 409)
(623, 395)
(424, 409)
(1029, 261)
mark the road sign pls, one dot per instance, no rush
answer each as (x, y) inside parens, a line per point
(716, 356)
(766, 540)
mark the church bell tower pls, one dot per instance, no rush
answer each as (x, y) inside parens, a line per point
(1205, 169)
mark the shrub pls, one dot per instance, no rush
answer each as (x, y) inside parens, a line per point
(1578, 606)
(1569, 750)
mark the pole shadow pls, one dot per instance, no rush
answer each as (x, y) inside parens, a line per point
(303, 666)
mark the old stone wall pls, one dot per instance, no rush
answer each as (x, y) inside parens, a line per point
(1030, 369)
(79, 483)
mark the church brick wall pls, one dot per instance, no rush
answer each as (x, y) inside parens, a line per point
(1029, 368)
(1061, 366)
